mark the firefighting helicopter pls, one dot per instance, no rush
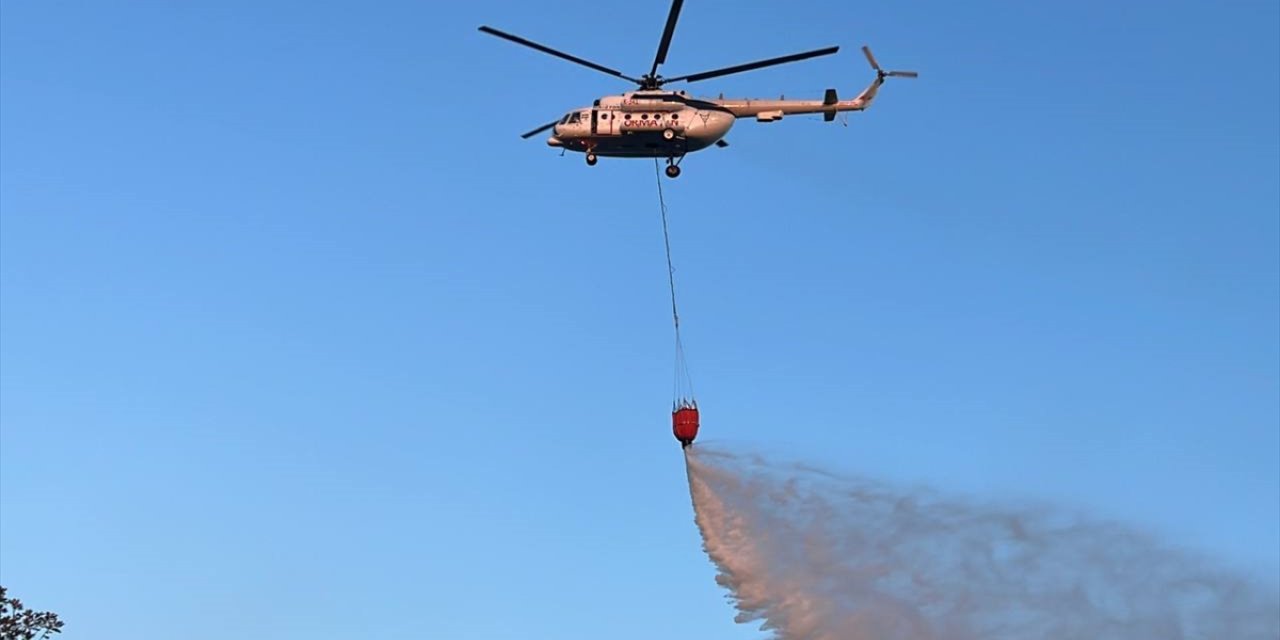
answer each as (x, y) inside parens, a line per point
(652, 122)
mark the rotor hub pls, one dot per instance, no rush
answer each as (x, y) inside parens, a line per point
(651, 81)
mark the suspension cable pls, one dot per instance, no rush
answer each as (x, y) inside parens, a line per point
(666, 240)
(681, 366)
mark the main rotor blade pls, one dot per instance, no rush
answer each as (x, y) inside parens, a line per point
(535, 132)
(903, 74)
(670, 29)
(750, 66)
(870, 58)
(559, 54)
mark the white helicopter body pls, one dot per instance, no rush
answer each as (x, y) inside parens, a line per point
(662, 124)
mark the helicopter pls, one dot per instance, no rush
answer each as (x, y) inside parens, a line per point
(653, 122)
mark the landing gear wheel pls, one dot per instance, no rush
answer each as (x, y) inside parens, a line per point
(592, 159)
(668, 134)
(673, 171)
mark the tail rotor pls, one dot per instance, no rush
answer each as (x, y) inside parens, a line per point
(881, 73)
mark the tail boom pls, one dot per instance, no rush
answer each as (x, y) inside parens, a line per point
(829, 106)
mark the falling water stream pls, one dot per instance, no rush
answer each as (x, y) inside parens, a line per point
(809, 555)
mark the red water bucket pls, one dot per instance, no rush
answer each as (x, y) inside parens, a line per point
(684, 424)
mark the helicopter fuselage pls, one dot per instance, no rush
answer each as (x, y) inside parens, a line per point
(669, 124)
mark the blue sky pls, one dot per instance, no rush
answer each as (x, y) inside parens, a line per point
(299, 337)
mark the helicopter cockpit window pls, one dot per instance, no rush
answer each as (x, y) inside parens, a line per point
(564, 119)
(575, 117)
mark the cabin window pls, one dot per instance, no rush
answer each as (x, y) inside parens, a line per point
(675, 116)
(575, 117)
(626, 116)
(644, 116)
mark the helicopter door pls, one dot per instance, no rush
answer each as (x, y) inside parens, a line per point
(601, 123)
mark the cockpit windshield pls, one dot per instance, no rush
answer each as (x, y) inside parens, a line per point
(574, 117)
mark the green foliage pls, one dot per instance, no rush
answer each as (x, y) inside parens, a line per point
(19, 623)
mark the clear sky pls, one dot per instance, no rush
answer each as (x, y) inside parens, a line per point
(299, 337)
